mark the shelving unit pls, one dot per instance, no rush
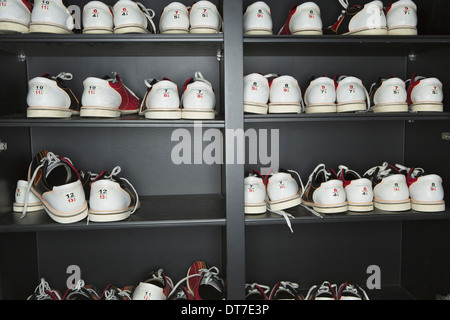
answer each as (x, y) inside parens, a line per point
(195, 211)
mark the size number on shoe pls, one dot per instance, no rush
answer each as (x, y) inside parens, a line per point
(45, 5)
(70, 197)
(40, 90)
(4, 3)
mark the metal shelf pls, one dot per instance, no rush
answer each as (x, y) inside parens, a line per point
(364, 116)
(124, 121)
(302, 215)
(341, 45)
(112, 45)
(155, 211)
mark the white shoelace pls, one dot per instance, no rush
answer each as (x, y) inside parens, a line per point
(343, 169)
(414, 174)
(64, 76)
(149, 14)
(252, 289)
(352, 289)
(199, 77)
(109, 294)
(159, 276)
(52, 159)
(319, 167)
(208, 276)
(383, 170)
(43, 287)
(344, 4)
(322, 289)
(282, 213)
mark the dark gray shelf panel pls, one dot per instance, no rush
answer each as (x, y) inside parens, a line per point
(340, 45)
(365, 116)
(112, 45)
(155, 211)
(124, 121)
(303, 215)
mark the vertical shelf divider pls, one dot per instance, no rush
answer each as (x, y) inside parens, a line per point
(233, 172)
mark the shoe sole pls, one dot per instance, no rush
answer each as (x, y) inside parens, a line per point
(130, 29)
(360, 207)
(108, 216)
(368, 32)
(285, 204)
(284, 108)
(402, 31)
(258, 109)
(13, 27)
(326, 108)
(260, 32)
(175, 31)
(97, 31)
(307, 32)
(351, 107)
(437, 206)
(393, 206)
(427, 107)
(204, 30)
(18, 207)
(198, 114)
(42, 112)
(335, 208)
(162, 114)
(48, 28)
(99, 112)
(339, 208)
(398, 107)
(255, 209)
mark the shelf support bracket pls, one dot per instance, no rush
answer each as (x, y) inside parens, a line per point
(445, 135)
(3, 146)
(220, 53)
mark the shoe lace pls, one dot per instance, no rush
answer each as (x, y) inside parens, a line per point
(414, 174)
(319, 167)
(161, 277)
(199, 77)
(64, 76)
(52, 159)
(255, 288)
(344, 3)
(283, 213)
(383, 170)
(149, 14)
(208, 276)
(45, 290)
(111, 293)
(76, 287)
(354, 290)
(343, 169)
(325, 287)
